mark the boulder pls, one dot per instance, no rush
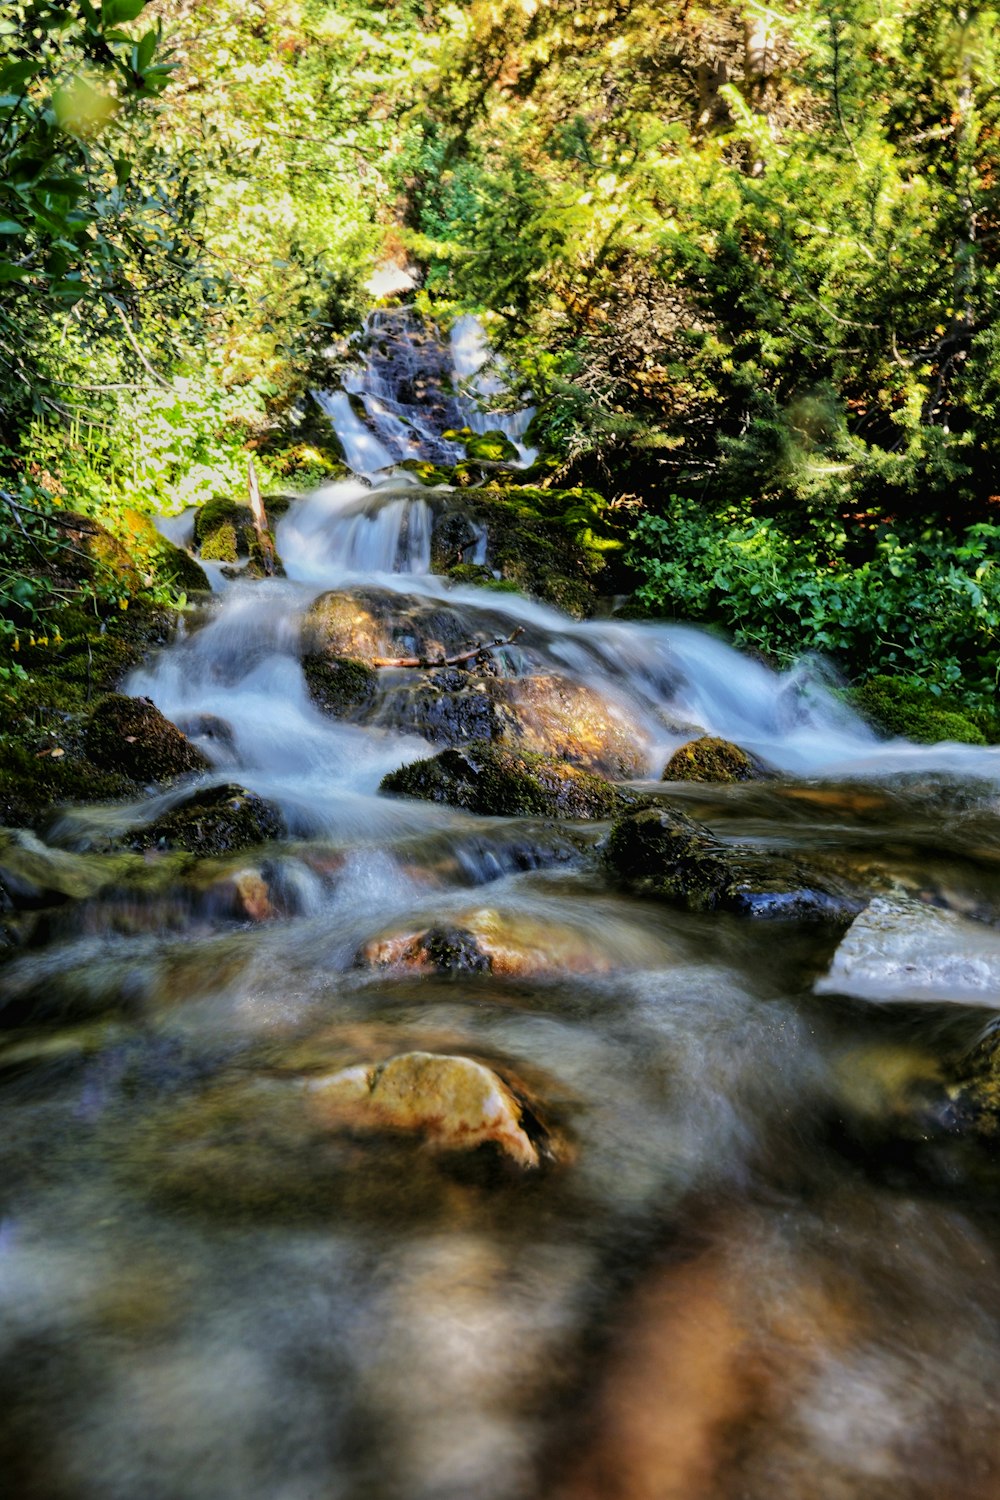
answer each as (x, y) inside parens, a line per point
(900, 948)
(712, 759)
(132, 736)
(216, 820)
(660, 852)
(167, 563)
(224, 531)
(455, 1103)
(365, 624)
(554, 715)
(496, 781)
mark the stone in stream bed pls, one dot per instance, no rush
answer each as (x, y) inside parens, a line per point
(659, 851)
(455, 1103)
(901, 949)
(216, 820)
(493, 780)
(511, 944)
(712, 759)
(132, 736)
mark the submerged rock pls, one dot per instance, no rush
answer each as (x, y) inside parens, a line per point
(493, 780)
(899, 948)
(512, 944)
(132, 736)
(217, 820)
(457, 1104)
(658, 851)
(712, 759)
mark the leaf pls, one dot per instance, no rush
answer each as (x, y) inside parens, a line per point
(142, 54)
(113, 11)
(11, 226)
(16, 75)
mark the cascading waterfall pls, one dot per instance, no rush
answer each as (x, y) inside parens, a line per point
(751, 1243)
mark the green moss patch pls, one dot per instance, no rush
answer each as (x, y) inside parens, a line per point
(711, 759)
(340, 685)
(495, 781)
(899, 706)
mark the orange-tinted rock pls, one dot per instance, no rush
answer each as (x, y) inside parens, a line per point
(455, 1103)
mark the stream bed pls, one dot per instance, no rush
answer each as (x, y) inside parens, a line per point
(733, 1230)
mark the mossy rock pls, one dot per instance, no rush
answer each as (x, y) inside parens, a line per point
(492, 447)
(167, 563)
(217, 820)
(224, 530)
(660, 852)
(340, 685)
(97, 552)
(494, 781)
(130, 735)
(899, 706)
(472, 573)
(712, 759)
(429, 474)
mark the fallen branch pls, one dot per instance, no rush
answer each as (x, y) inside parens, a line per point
(260, 521)
(478, 652)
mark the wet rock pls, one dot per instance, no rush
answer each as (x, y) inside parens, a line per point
(556, 716)
(442, 950)
(365, 624)
(493, 780)
(455, 1103)
(445, 707)
(712, 759)
(217, 820)
(34, 875)
(218, 731)
(512, 944)
(340, 685)
(899, 948)
(132, 736)
(658, 851)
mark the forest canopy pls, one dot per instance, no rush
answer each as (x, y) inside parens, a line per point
(744, 256)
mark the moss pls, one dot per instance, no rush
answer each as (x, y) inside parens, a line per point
(472, 573)
(429, 474)
(493, 447)
(223, 530)
(711, 759)
(899, 706)
(218, 820)
(130, 735)
(98, 553)
(33, 779)
(495, 781)
(339, 685)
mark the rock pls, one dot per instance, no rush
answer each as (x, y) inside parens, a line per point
(132, 736)
(556, 716)
(224, 531)
(364, 624)
(210, 727)
(340, 685)
(457, 1104)
(493, 780)
(33, 875)
(216, 820)
(899, 948)
(512, 944)
(658, 851)
(712, 759)
(167, 563)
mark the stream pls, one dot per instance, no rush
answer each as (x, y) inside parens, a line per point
(742, 1242)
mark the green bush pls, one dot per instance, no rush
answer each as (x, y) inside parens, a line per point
(916, 602)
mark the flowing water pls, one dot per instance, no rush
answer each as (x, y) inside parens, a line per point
(758, 1254)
